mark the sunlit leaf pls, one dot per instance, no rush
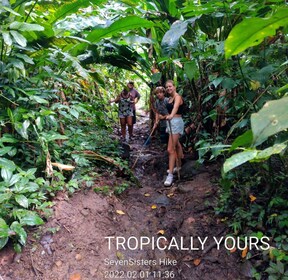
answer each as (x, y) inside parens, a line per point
(18, 229)
(61, 166)
(6, 174)
(244, 252)
(27, 217)
(4, 233)
(24, 26)
(119, 255)
(252, 197)
(268, 152)
(120, 212)
(252, 31)
(153, 206)
(238, 159)
(73, 7)
(7, 38)
(20, 39)
(75, 276)
(22, 200)
(21, 128)
(147, 194)
(171, 37)
(197, 262)
(121, 25)
(271, 119)
(6, 163)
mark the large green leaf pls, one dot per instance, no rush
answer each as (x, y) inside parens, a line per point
(6, 174)
(191, 69)
(19, 230)
(7, 38)
(172, 36)
(8, 164)
(275, 149)
(23, 26)
(22, 200)
(5, 150)
(5, 196)
(4, 233)
(121, 25)
(239, 159)
(251, 32)
(271, 119)
(20, 39)
(243, 140)
(72, 7)
(27, 217)
(21, 128)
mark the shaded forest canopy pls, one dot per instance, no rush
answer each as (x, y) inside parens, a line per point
(61, 61)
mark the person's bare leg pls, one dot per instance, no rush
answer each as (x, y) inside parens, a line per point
(123, 127)
(172, 151)
(130, 125)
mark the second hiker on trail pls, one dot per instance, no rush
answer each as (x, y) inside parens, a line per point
(175, 127)
(125, 112)
(135, 95)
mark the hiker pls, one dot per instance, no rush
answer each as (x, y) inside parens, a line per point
(136, 96)
(175, 127)
(125, 112)
(160, 114)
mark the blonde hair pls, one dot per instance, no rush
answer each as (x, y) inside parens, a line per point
(171, 82)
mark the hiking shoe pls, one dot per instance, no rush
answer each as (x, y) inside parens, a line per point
(175, 170)
(169, 180)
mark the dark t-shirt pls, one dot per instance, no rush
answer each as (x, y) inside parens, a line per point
(134, 94)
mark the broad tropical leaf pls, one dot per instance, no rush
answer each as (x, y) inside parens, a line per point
(73, 7)
(239, 159)
(271, 119)
(251, 32)
(121, 25)
(23, 26)
(172, 36)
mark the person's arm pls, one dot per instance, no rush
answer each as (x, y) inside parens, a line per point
(116, 100)
(137, 97)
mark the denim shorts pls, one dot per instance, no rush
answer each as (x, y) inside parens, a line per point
(177, 126)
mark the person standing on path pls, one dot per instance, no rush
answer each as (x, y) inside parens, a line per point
(125, 112)
(175, 127)
(135, 96)
(160, 113)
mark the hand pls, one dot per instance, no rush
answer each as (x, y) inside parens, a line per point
(155, 125)
(169, 117)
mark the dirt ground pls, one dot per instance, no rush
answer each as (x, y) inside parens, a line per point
(148, 232)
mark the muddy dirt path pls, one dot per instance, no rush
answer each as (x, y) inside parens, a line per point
(148, 232)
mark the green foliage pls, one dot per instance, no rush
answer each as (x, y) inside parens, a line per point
(60, 64)
(252, 31)
(109, 190)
